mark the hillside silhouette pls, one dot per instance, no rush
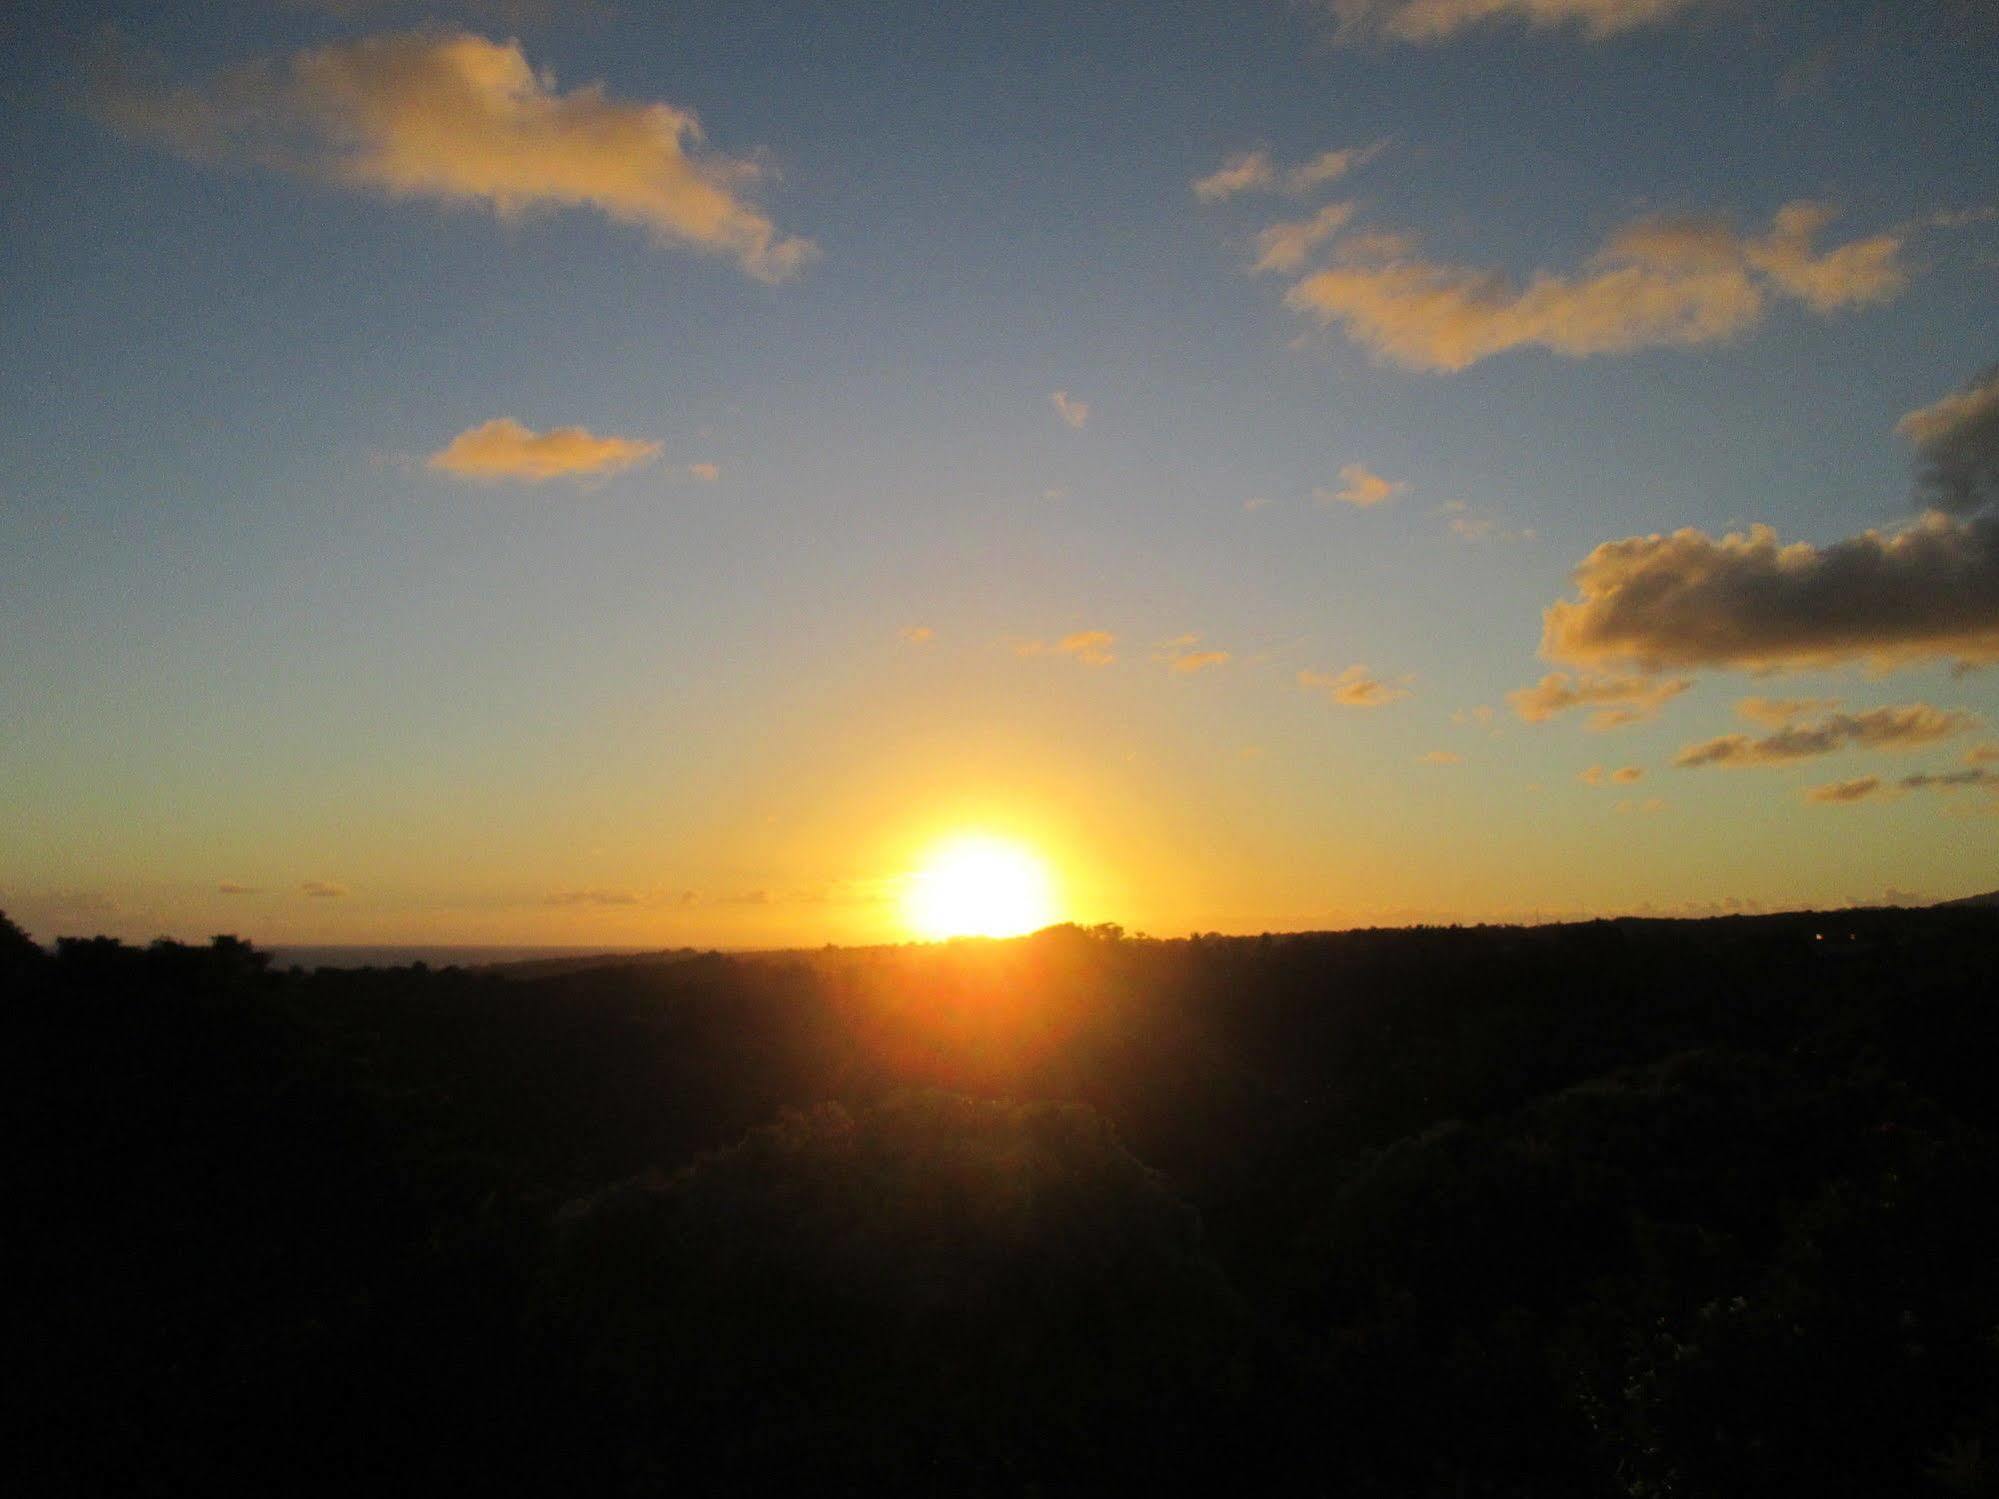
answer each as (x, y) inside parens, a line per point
(1637, 1208)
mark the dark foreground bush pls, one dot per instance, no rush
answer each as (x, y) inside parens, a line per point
(940, 1291)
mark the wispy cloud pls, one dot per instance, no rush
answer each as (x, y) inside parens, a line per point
(1440, 757)
(1873, 788)
(322, 889)
(1091, 647)
(918, 634)
(1423, 21)
(1776, 712)
(230, 887)
(1184, 655)
(457, 118)
(1617, 701)
(1361, 486)
(1598, 775)
(590, 898)
(1076, 413)
(1249, 172)
(1287, 245)
(1656, 283)
(505, 449)
(1907, 726)
(1356, 687)
(707, 473)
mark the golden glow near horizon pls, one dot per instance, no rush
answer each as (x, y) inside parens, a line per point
(978, 886)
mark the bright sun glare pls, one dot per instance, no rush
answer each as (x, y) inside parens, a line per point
(978, 887)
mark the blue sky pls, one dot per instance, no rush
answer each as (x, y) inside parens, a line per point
(251, 638)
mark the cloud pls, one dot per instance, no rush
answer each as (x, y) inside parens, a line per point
(1286, 246)
(1950, 780)
(322, 890)
(707, 473)
(1869, 788)
(1905, 727)
(1471, 527)
(590, 898)
(1424, 21)
(1656, 283)
(1749, 602)
(230, 887)
(1356, 687)
(1181, 656)
(1650, 806)
(1074, 412)
(1091, 647)
(1360, 486)
(1481, 715)
(1618, 701)
(1779, 711)
(918, 634)
(1441, 757)
(1957, 440)
(1597, 775)
(1330, 166)
(1255, 503)
(1982, 754)
(504, 449)
(1249, 172)
(455, 118)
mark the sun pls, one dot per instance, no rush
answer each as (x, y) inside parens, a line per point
(975, 886)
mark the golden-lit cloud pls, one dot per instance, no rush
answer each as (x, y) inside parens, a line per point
(504, 449)
(1599, 775)
(1871, 788)
(1361, 486)
(1356, 687)
(230, 887)
(1982, 754)
(1255, 172)
(918, 634)
(1440, 757)
(454, 117)
(1957, 440)
(1617, 701)
(1286, 246)
(1750, 602)
(1424, 21)
(707, 473)
(322, 889)
(1330, 166)
(1655, 283)
(1841, 793)
(1779, 711)
(1249, 172)
(1651, 806)
(1184, 655)
(1908, 726)
(1072, 411)
(1091, 647)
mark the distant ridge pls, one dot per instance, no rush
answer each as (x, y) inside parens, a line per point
(1989, 898)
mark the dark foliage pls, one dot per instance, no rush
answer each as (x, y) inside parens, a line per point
(1631, 1208)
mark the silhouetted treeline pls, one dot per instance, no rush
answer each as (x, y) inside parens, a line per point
(1624, 1208)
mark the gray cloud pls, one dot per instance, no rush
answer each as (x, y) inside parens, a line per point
(1905, 727)
(1957, 441)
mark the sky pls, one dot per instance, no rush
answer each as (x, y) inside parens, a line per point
(627, 475)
